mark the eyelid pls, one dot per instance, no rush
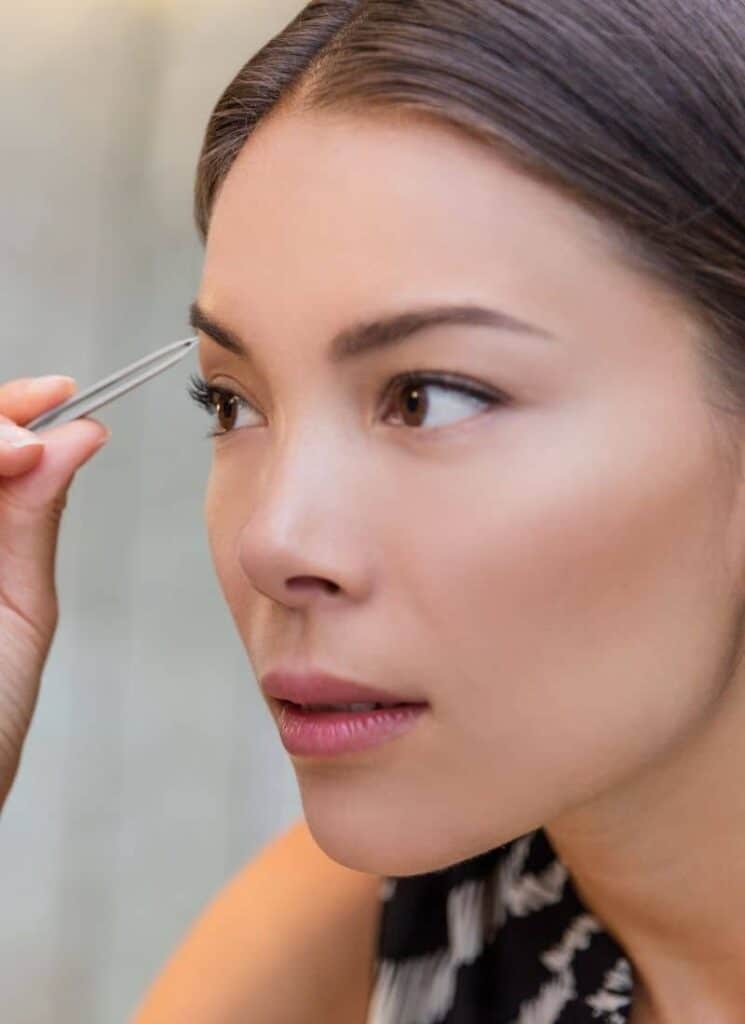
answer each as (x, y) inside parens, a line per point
(426, 378)
(451, 381)
(232, 391)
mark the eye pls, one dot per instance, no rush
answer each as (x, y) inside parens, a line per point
(411, 393)
(221, 404)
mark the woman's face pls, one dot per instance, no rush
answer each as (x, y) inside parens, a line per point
(553, 573)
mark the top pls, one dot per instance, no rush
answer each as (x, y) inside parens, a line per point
(501, 938)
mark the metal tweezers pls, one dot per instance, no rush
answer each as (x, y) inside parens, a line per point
(106, 390)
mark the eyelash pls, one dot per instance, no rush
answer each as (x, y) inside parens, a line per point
(206, 395)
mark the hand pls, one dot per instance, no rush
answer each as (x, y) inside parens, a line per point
(34, 480)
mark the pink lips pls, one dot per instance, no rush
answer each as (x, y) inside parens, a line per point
(329, 733)
(324, 733)
(315, 687)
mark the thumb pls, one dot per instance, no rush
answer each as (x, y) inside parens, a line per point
(31, 505)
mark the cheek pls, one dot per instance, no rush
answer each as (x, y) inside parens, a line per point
(571, 597)
(223, 520)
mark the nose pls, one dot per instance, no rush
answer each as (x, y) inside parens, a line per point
(302, 542)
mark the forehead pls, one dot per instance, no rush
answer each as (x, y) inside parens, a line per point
(331, 174)
(328, 213)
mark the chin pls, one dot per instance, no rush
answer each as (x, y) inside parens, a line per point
(377, 836)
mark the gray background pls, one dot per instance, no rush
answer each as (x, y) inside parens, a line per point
(153, 770)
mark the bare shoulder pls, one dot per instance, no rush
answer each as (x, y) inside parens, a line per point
(290, 939)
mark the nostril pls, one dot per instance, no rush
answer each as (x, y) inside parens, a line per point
(298, 582)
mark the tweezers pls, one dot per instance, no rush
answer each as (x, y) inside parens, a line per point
(106, 390)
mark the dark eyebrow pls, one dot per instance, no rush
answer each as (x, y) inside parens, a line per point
(380, 333)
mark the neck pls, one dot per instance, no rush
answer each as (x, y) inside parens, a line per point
(660, 861)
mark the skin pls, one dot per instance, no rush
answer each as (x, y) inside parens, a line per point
(559, 577)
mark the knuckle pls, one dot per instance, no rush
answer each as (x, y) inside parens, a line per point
(56, 508)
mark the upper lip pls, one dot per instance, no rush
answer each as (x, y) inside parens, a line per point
(312, 686)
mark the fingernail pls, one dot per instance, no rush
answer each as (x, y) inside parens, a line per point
(105, 437)
(16, 437)
(53, 379)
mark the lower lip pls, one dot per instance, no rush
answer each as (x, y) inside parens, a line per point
(326, 733)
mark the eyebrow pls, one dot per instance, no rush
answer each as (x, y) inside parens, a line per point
(379, 333)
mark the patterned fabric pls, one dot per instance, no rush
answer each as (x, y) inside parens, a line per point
(502, 938)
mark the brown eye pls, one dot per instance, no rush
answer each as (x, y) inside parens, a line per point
(419, 397)
(414, 403)
(226, 410)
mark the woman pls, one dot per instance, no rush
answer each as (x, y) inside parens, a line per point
(472, 339)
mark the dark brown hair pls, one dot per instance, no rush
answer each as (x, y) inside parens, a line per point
(634, 108)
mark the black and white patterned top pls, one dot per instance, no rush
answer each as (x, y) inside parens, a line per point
(502, 938)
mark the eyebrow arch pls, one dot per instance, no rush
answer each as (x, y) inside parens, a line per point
(379, 333)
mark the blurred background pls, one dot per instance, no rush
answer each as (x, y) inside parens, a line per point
(153, 770)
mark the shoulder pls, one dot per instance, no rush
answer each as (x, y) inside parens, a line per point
(290, 913)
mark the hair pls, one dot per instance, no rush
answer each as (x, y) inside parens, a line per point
(635, 109)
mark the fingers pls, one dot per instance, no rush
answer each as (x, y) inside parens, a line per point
(36, 470)
(14, 437)
(32, 480)
(20, 450)
(62, 449)
(33, 500)
(24, 399)
(21, 401)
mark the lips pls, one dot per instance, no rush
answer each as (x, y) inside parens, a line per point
(320, 689)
